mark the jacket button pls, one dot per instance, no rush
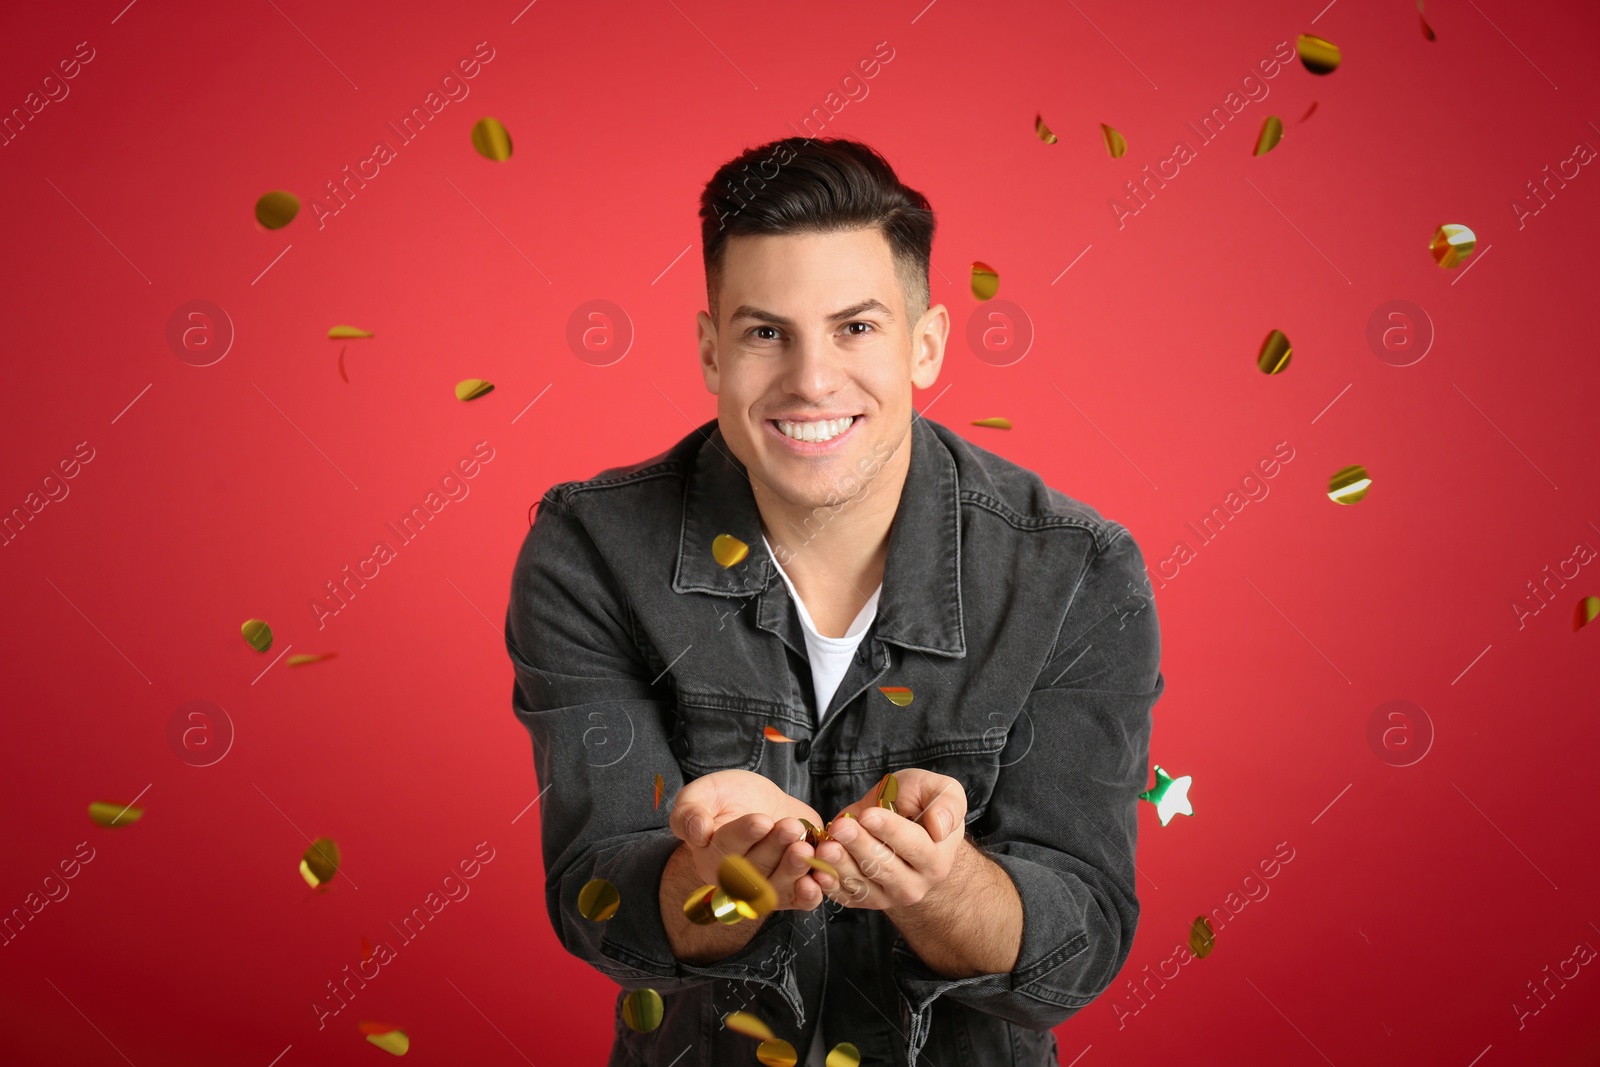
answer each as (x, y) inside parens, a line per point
(679, 744)
(802, 749)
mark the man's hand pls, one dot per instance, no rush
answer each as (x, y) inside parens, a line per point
(740, 813)
(888, 860)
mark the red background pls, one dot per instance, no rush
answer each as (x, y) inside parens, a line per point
(1418, 905)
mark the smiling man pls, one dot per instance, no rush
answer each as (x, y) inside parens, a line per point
(816, 589)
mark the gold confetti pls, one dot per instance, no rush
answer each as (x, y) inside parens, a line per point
(748, 1024)
(776, 1053)
(598, 900)
(1588, 609)
(750, 891)
(985, 280)
(257, 634)
(1452, 243)
(697, 909)
(113, 814)
(347, 333)
(728, 550)
(320, 862)
(277, 209)
(772, 733)
(300, 659)
(1349, 485)
(641, 1010)
(1042, 130)
(472, 388)
(844, 1054)
(724, 908)
(824, 866)
(389, 1038)
(993, 424)
(1275, 352)
(1319, 56)
(1201, 939)
(1271, 133)
(815, 835)
(1427, 31)
(1115, 144)
(491, 140)
(898, 695)
(661, 783)
(888, 792)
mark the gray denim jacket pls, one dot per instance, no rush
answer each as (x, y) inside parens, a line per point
(1021, 620)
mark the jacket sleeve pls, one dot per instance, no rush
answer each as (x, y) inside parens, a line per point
(1063, 818)
(598, 725)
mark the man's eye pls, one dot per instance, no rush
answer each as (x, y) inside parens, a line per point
(760, 328)
(868, 325)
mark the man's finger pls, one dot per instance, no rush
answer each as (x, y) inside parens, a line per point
(905, 838)
(691, 823)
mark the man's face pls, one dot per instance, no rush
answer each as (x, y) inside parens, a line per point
(815, 329)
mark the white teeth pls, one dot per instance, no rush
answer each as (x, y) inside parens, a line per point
(816, 431)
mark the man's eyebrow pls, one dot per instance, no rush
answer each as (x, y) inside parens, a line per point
(748, 311)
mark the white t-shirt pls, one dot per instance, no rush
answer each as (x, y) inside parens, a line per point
(830, 658)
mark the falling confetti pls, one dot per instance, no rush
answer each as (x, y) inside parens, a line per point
(1319, 56)
(113, 814)
(748, 1024)
(1309, 110)
(300, 659)
(776, 1053)
(844, 1054)
(985, 280)
(1115, 144)
(1169, 795)
(661, 783)
(728, 550)
(257, 634)
(772, 733)
(491, 140)
(747, 887)
(345, 333)
(1201, 938)
(389, 1038)
(697, 909)
(1588, 609)
(641, 1010)
(342, 373)
(1275, 352)
(277, 209)
(1042, 130)
(472, 388)
(993, 424)
(1427, 31)
(1349, 485)
(320, 862)
(598, 900)
(898, 695)
(1271, 133)
(888, 792)
(1452, 243)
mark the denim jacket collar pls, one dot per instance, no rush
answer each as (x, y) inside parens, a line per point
(920, 606)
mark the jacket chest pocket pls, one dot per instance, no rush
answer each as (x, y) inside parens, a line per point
(719, 732)
(974, 761)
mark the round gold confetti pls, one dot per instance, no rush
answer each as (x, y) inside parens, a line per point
(1115, 144)
(776, 1053)
(598, 900)
(724, 908)
(985, 280)
(697, 909)
(1588, 610)
(815, 835)
(391, 1039)
(113, 814)
(748, 1024)
(888, 792)
(301, 659)
(727, 549)
(472, 388)
(898, 695)
(1452, 243)
(641, 1010)
(257, 634)
(993, 424)
(347, 333)
(1319, 56)
(1042, 130)
(277, 209)
(1275, 353)
(490, 138)
(1271, 133)
(1349, 485)
(1201, 939)
(750, 890)
(844, 1054)
(320, 862)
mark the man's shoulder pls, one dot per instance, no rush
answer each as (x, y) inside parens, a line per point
(1020, 496)
(610, 487)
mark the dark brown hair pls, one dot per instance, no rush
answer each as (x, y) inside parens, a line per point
(816, 185)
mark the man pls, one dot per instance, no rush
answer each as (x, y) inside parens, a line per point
(816, 589)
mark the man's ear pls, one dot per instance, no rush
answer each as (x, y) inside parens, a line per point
(708, 351)
(927, 347)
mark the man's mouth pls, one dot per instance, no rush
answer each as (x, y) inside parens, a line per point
(814, 431)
